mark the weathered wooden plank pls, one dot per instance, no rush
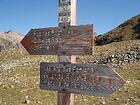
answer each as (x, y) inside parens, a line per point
(97, 80)
(68, 40)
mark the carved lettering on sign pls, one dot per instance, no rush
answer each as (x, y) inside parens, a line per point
(98, 80)
(68, 40)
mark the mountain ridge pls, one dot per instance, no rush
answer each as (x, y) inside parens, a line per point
(11, 36)
(10, 39)
(129, 30)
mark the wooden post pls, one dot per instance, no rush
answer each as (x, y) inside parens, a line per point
(65, 98)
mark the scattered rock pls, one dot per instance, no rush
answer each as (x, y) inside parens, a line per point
(103, 102)
(138, 79)
(116, 99)
(133, 99)
(0, 83)
(12, 86)
(4, 87)
(85, 100)
(21, 91)
(126, 91)
(120, 58)
(38, 102)
(37, 83)
(16, 81)
(128, 82)
(26, 101)
(113, 56)
(26, 97)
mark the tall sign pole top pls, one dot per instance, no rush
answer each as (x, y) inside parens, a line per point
(67, 12)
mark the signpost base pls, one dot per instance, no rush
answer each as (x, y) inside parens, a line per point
(65, 99)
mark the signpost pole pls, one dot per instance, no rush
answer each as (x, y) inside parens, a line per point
(65, 98)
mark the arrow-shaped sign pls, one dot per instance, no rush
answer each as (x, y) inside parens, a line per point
(68, 40)
(90, 79)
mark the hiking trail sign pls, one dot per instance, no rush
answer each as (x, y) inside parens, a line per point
(67, 40)
(89, 79)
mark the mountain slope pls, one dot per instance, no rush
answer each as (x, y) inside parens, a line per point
(9, 39)
(128, 30)
(11, 36)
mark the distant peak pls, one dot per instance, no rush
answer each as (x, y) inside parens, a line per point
(9, 31)
(128, 30)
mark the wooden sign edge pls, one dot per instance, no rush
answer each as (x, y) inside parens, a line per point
(76, 91)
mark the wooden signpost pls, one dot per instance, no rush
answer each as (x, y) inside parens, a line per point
(66, 41)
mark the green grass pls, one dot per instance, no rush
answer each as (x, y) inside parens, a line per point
(22, 81)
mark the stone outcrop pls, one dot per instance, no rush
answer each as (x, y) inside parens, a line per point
(121, 58)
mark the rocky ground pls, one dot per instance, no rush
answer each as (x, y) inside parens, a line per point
(120, 58)
(19, 76)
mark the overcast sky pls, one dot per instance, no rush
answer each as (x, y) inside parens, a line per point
(22, 15)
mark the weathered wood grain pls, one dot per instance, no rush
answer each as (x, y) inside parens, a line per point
(97, 80)
(68, 40)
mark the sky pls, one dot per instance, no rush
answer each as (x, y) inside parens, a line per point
(23, 15)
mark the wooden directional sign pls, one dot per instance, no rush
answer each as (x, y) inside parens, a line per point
(97, 80)
(68, 40)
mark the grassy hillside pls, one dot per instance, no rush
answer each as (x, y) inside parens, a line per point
(19, 78)
(129, 30)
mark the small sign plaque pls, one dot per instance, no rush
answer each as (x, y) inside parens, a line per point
(97, 80)
(68, 40)
(64, 12)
